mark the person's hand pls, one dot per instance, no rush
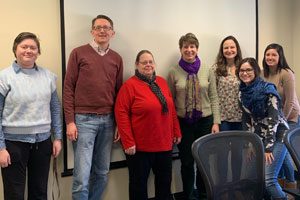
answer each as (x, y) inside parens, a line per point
(117, 135)
(56, 148)
(4, 158)
(269, 158)
(176, 140)
(72, 133)
(130, 150)
(215, 128)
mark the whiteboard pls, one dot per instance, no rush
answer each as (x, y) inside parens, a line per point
(157, 25)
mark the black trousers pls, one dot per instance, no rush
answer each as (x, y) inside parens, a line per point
(191, 132)
(33, 158)
(139, 166)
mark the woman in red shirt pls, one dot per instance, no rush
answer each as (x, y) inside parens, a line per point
(148, 127)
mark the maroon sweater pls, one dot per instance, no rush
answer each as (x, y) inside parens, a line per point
(91, 82)
(140, 119)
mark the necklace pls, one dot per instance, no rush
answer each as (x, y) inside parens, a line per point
(231, 69)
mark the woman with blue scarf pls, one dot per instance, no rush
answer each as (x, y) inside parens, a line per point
(262, 114)
(193, 87)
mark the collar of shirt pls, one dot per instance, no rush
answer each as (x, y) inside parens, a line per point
(98, 49)
(17, 68)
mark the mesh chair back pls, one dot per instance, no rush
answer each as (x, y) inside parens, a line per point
(231, 164)
(292, 142)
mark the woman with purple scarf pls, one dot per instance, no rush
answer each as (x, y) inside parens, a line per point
(193, 87)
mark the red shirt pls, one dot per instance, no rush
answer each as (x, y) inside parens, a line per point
(140, 119)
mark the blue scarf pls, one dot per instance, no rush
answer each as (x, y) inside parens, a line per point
(255, 96)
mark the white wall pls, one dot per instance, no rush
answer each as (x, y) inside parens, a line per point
(275, 26)
(138, 28)
(158, 25)
(279, 22)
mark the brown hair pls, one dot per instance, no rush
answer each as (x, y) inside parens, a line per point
(189, 38)
(103, 17)
(23, 36)
(221, 60)
(137, 59)
(282, 63)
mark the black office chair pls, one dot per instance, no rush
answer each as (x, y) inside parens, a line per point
(231, 164)
(292, 142)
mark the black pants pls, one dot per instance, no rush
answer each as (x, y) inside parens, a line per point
(139, 166)
(35, 158)
(191, 132)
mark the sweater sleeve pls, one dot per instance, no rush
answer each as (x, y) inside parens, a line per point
(2, 140)
(177, 132)
(55, 110)
(69, 87)
(246, 121)
(213, 96)
(119, 79)
(288, 84)
(123, 105)
(272, 123)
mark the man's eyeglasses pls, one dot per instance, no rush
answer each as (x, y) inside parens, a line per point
(104, 28)
(248, 71)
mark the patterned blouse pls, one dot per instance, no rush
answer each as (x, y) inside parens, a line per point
(228, 89)
(270, 128)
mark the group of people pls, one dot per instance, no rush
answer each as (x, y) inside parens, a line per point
(151, 114)
(264, 103)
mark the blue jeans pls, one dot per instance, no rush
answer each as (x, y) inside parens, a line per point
(271, 171)
(287, 170)
(230, 126)
(92, 155)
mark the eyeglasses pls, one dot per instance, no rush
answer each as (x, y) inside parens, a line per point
(248, 71)
(147, 62)
(104, 28)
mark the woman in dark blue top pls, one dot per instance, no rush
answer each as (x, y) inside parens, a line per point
(262, 114)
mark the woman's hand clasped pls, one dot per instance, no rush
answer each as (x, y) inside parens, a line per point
(176, 140)
(130, 150)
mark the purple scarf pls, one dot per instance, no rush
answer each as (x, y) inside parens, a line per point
(192, 91)
(190, 68)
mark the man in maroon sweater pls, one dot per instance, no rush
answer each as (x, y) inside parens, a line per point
(94, 76)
